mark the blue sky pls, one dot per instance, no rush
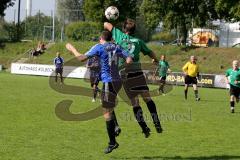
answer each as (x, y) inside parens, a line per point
(44, 6)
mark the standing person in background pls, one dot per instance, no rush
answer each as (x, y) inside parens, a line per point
(233, 78)
(191, 70)
(58, 62)
(163, 69)
(134, 82)
(94, 68)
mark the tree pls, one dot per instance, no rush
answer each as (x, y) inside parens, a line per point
(94, 9)
(228, 9)
(183, 14)
(4, 4)
(70, 10)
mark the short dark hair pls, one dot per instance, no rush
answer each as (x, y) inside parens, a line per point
(106, 35)
(129, 26)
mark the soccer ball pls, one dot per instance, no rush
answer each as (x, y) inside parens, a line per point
(112, 13)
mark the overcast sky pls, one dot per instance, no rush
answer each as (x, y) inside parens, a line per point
(44, 6)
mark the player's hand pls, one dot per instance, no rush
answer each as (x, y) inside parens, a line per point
(236, 82)
(154, 61)
(227, 81)
(70, 47)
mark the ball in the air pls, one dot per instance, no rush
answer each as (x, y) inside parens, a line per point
(112, 13)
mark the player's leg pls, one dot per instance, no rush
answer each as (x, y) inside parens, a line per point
(108, 103)
(138, 113)
(117, 85)
(61, 75)
(93, 88)
(186, 86)
(153, 110)
(110, 125)
(232, 103)
(130, 83)
(195, 88)
(162, 84)
(56, 75)
(94, 92)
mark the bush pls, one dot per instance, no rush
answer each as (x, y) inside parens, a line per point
(165, 36)
(83, 31)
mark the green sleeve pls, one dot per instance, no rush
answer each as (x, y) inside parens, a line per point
(168, 65)
(227, 73)
(117, 35)
(144, 49)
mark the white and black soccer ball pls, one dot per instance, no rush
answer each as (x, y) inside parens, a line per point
(112, 13)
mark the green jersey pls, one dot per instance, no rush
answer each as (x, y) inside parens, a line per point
(234, 75)
(133, 45)
(163, 68)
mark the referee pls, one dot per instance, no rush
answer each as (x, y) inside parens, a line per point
(58, 62)
(191, 70)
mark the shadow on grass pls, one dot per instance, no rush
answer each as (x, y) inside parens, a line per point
(188, 48)
(222, 157)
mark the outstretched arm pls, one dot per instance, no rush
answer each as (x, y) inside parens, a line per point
(108, 26)
(73, 50)
(154, 57)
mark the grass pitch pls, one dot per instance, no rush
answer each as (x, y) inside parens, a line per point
(30, 129)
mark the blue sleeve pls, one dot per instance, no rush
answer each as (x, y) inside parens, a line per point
(93, 51)
(122, 53)
(62, 60)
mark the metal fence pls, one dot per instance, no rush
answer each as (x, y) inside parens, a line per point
(46, 25)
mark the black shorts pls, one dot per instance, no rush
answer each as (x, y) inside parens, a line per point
(234, 91)
(190, 80)
(134, 84)
(59, 70)
(109, 94)
(94, 81)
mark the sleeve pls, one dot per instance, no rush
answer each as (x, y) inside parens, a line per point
(62, 60)
(168, 65)
(93, 51)
(144, 49)
(117, 35)
(54, 61)
(122, 53)
(185, 67)
(227, 73)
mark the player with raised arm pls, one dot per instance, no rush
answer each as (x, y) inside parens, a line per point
(191, 71)
(233, 79)
(134, 82)
(108, 53)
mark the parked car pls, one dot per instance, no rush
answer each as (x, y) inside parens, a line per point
(177, 42)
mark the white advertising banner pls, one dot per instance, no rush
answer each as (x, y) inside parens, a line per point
(48, 70)
(220, 82)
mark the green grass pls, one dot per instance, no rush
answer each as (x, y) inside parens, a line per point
(30, 129)
(211, 60)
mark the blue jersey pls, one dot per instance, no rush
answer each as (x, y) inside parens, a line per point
(109, 55)
(58, 62)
